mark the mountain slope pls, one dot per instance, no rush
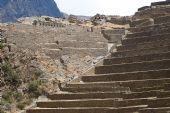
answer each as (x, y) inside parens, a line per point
(11, 10)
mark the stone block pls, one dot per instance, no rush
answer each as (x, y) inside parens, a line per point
(160, 3)
(143, 8)
(162, 19)
(138, 22)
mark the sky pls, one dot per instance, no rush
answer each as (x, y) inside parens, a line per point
(107, 7)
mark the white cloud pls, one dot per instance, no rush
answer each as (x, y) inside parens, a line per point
(109, 7)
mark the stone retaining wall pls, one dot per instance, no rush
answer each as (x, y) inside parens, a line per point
(50, 23)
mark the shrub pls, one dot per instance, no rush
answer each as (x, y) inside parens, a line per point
(22, 104)
(1, 45)
(2, 111)
(2, 83)
(18, 96)
(8, 96)
(34, 89)
(37, 73)
(11, 77)
(2, 41)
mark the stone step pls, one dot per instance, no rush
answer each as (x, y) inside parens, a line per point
(115, 89)
(162, 19)
(132, 67)
(151, 102)
(114, 31)
(109, 102)
(156, 74)
(153, 88)
(160, 3)
(92, 95)
(86, 38)
(138, 22)
(167, 87)
(132, 84)
(150, 57)
(148, 33)
(82, 44)
(141, 52)
(159, 102)
(144, 39)
(109, 89)
(155, 27)
(103, 95)
(146, 45)
(129, 109)
(147, 94)
(155, 110)
(84, 51)
(153, 12)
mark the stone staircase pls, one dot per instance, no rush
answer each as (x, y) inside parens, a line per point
(156, 9)
(135, 79)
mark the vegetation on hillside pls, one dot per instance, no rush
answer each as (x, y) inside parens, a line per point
(18, 90)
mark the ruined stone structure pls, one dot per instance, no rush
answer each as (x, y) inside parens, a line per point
(98, 19)
(77, 41)
(156, 9)
(55, 42)
(135, 79)
(48, 23)
(119, 20)
(114, 37)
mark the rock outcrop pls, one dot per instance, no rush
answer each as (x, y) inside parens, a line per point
(11, 10)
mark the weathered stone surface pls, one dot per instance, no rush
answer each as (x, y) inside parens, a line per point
(114, 31)
(12, 10)
(142, 22)
(155, 27)
(152, 13)
(120, 20)
(143, 8)
(141, 66)
(98, 19)
(134, 79)
(160, 3)
(132, 59)
(163, 19)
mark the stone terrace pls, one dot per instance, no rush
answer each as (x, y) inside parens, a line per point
(55, 42)
(135, 79)
(156, 9)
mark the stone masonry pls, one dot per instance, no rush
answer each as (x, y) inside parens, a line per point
(58, 41)
(135, 79)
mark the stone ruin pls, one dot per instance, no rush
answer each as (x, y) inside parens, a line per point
(48, 23)
(98, 19)
(74, 19)
(120, 20)
(133, 79)
(157, 9)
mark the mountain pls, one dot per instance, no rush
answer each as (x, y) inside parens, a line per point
(11, 10)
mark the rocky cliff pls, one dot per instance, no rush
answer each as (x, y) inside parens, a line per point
(11, 10)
